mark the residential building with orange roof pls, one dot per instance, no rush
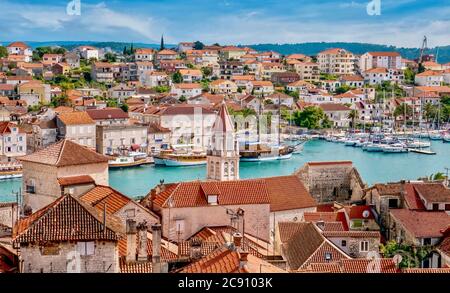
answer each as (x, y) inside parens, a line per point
(194, 205)
(51, 59)
(300, 57)
(432, 65)
(308, 71)
(187, 90)
(34, 92)
(388, 60)
(352, 80)
(20, 49)
(379, 75)
(429, 78)
(47, 239)
(260, 87)
(13, 142)
(103, 72)
(166, 54)
(77, 126)
(231, 53)
(223, 87)
(227, 69)
(442, 90)
(336, 61)
(144, 54)
(191, 75)
(44, 169)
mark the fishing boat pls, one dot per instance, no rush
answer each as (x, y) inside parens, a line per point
(259, 152)
(10, 170)
(180, 156)
(395, 148)
(133, 159)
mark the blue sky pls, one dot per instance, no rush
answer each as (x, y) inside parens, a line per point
(401, 23)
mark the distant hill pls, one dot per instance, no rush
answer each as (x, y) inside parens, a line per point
(356, 48)
(305, 48)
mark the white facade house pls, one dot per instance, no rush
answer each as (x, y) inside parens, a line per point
(13, 142)
(388, 60)
(187, 90)
(336, 61)
(429, 78)
(20, 48)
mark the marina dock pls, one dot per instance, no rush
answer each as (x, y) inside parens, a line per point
(423, 152)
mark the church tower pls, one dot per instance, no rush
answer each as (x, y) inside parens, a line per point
(223, 154)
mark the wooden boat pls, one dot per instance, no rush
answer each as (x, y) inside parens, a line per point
(133, 159)
(257, 152)
(180, 158)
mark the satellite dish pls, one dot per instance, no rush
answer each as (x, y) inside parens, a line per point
(366, 214)
(397, 259)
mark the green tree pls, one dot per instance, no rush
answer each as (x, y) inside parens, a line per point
(342, 89)
(437, 176)
(124, 107)
(182, 99)
(409, 75)
(198, 45)
(177, 77)
(310, 117)
(353, 116)
(403, 110)
(162, 89)
(162, 47)
(110, 57)
(411, 256)
(62, 100)
(326, 122)
(3, 52)
(207, 71)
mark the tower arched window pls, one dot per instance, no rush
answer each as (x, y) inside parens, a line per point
(232, 169)
(217, 169)
(225, 169)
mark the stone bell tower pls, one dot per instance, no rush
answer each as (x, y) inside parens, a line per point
(223, 153)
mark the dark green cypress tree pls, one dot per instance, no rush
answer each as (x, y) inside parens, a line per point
(162, 43)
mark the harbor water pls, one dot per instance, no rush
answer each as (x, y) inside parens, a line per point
(375, 167)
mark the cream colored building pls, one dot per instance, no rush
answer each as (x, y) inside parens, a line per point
(115, 139)
(336, 61)
(78, 127)
(44, 170)
(223, 86)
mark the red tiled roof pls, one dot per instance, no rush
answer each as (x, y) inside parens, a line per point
(75, 180)
(422, 224)
(67, 219)
(288, 193)
(192, 194)
(222, 260)
(433, 192)
(333, 226)
(361, 265)
(307, 245)
(5, 127)
(358, 212)
(426, 270)
(107, 113)
(412, 199)
(185, 110)
(65, 153)
(75, 118)
(223, 122)
(333, 107)
(19, 45)
(101, 195)
(352, 234)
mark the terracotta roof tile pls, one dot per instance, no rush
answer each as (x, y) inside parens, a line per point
(288, 193)
(75, 118)
(422, 223)
(67, 219)
(107, 113)
(65, 153)
(75, 180)
(433, 192)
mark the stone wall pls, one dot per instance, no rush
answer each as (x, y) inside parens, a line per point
(47, 188)
(62, 258)
(352, 247)
(330, 182)
(138, 213)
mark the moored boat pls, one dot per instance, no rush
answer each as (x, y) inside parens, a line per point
(395, 148)
(10, 170)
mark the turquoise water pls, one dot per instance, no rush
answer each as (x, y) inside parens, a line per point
(373, 167)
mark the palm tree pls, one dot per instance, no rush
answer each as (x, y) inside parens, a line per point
(353, 115)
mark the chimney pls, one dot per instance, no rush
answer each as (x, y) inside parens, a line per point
(320, 224)
(243, 259)
(131, 240)
(237, 240)
(195, 249)
(156, 248)
(142, 249)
